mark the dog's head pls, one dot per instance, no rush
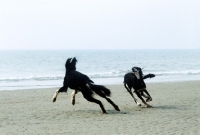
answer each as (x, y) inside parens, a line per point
(138, 70)
(71, 64)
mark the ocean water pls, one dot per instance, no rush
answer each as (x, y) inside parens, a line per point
(26, 69)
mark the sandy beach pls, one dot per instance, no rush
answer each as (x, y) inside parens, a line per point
(175, 111)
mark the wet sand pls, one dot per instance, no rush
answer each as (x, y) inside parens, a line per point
(175, 110)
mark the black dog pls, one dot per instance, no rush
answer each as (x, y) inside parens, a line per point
(135, 80)
(80, 82)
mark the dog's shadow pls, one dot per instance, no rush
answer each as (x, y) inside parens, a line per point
(166, 107)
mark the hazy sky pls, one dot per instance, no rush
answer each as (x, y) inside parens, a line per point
(101, 24)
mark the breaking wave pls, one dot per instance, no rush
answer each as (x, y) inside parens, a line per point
(109, 74)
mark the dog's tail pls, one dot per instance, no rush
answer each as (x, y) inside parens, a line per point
(149, 76)
(99, 90)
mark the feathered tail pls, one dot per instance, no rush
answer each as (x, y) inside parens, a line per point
(99, 90)
(149, 76)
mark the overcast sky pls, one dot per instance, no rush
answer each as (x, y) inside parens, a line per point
(99, 24)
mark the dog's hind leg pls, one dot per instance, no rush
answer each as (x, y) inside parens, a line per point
(138, 94)
(89, 97)
(148, 96)
(109, 100)
(112, 103)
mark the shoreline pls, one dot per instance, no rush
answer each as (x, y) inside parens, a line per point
(175, 110)
(105, 84)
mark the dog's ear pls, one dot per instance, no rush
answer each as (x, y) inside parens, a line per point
(67, 64)
(73, 64)
(74, 60)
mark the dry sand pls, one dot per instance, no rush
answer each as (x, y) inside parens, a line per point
(176, 110)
